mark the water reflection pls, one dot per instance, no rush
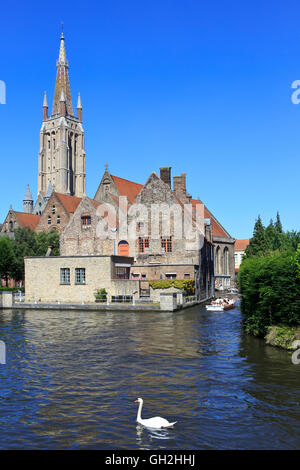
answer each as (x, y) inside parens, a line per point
(71, 379)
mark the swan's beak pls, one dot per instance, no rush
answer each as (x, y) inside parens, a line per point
(136, 401)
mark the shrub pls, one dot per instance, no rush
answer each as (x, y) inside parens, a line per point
(100, 294)
(270, 289)
(186, 284)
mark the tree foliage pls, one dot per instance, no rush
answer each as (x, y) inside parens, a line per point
(7, 258)
(28, 243)
(269, 278)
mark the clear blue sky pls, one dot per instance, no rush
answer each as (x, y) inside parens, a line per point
(204, 87)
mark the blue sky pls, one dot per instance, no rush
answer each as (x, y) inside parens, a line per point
(204, 87)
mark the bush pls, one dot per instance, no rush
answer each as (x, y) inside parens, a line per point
(100, 294)
(186, 284)
(270, 289)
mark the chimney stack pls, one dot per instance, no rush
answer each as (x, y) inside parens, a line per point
(165, 175)
(179, 183)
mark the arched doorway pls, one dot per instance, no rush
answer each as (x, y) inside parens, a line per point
(123, 248)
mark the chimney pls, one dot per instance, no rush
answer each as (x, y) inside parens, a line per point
(179, 184)
(165, 175)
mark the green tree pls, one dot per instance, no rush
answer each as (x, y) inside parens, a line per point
(7, 258)
(23, 244)
(278, 225)
(259, 244)
(46, 239)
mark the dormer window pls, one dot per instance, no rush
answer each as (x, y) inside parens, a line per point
(86, 220)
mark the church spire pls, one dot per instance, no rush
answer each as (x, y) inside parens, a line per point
(62, 80)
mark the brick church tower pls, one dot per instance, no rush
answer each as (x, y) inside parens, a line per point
(62, 155)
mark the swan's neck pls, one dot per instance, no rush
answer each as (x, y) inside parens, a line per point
(139, 412)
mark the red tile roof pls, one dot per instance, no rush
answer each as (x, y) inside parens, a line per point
(70, 203)
(131, 190)
(217, 229)
(27, 220)
(127, 188)
(241, 245)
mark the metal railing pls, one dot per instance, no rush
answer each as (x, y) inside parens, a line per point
(188, 299)
(18, 296)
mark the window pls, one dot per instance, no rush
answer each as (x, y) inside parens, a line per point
(166, 244)
(143, 276)
(11, 225)
(53, 209)
(65, 276)
(86, 220)
(79, 275)
(122, 272)
(48, 144)
(187, 276)
(144, 245)
(58, 219)
(140, 226)
(49, 220)
(170, 275)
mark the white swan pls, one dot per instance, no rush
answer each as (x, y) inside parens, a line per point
(156, 423)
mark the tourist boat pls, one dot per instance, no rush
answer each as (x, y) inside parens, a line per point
(219, 307)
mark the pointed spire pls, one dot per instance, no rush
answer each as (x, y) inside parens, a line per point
(62, 96)
(62, 81)
(45, 107)
(79, 108)
(28, 201)
(62, 58)
(45, 102)
(28, 196)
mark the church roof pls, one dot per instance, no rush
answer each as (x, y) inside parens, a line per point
(217, 229)
(27, 220)
(131, 190)
(127, 188)
(70, 203)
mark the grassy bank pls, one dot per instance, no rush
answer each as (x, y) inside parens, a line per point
(282, 336)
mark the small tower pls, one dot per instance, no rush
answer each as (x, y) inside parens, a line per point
(28, 201)
(62, 103)
(45, 107)
(79, 109)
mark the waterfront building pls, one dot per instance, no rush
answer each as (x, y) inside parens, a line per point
(62, 205)
(239, 251)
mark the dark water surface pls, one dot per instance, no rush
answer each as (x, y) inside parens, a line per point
(71, 378)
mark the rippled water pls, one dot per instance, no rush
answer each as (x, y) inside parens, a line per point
(71, 379)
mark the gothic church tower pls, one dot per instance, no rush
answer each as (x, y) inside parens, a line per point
(62, 155)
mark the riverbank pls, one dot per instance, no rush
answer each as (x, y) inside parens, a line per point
(282, 336)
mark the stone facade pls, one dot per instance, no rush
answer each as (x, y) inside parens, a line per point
(57, 213)
(47, 283)
(160, 259)
(15, 219)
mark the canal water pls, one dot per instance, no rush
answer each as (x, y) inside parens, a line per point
(71, 378)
